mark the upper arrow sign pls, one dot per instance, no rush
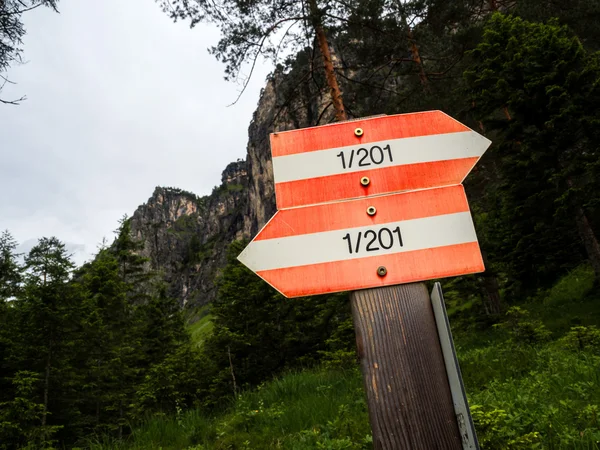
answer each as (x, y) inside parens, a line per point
(397, 153)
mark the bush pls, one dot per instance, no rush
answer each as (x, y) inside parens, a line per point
(582, 338)
(522, 328)
(495, 428)
(554, 404)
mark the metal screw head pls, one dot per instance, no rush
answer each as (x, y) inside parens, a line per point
(371, 210)
(359, 132)
(381, 271)
(365, 181)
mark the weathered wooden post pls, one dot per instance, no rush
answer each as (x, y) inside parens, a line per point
(409, 398)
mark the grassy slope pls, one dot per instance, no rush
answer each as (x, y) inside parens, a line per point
(543, 394)
(523, 394)
(302, 410)
(202, 328)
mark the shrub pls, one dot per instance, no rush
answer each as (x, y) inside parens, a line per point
(582, 338)
(522, 328)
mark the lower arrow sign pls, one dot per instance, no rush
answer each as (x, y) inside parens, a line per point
(366, 243)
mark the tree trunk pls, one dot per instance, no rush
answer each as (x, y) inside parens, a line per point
(492, 293)
(586, 233)
(590, 242)
(491, 289)
(46, 388)
(120, 419)
(336, 93)
(46, 385)
(416, 57)
(97, 393)
(232, 373)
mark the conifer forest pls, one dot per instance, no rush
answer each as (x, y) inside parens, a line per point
(164, 340)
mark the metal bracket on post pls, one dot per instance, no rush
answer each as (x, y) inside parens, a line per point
(457, 388)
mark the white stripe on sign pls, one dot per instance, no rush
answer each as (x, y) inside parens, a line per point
(360, 242)
(375, 155)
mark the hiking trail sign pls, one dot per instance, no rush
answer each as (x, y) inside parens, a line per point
(378, 203)
(369, 203)
(340, 247)
(404, 152)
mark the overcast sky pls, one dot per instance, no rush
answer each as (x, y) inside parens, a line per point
(119, 100)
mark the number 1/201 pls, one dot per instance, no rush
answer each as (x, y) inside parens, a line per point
(372, 240)
(364, 158)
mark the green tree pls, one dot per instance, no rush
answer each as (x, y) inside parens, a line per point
(172, 382)
(258, 332)
(137, 279)
(111, 349)
(536, 87)
(250, 30)
(582, 16)
(10, 280)
(20, 417)
(172, 379)
(132, 265)
(10, 270)
(45, 336)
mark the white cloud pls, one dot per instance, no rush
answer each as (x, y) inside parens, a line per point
(120, 100)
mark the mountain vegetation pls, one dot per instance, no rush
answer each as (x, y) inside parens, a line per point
(102, 356)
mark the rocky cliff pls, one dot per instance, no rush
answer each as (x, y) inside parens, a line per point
(186, 237)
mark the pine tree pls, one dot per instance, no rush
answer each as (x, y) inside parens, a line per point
(253, 29)
(137, 280)
(10, 270)
(111, 345)
(258, 332)
(536, 86)
(132, 265)
(10, 280)
(45, 338)
(171, 380)
(21, 415)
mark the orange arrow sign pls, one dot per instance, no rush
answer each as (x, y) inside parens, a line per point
(397, 153)
(358, 244)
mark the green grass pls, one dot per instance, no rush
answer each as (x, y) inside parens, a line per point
(526, 394)
(298, 411)
(538, 390)
(203, 327)
(545, 394)
(571, 302)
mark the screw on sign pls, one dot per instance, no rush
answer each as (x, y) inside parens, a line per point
(369, 206)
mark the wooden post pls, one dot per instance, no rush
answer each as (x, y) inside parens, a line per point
(409, 398)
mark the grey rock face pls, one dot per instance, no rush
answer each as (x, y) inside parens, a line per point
(275, 113)
(186, 237)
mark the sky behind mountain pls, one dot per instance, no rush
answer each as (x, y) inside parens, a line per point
(119, 100)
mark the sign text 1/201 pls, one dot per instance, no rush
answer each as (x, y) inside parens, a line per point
(371, 240)
(364, 158)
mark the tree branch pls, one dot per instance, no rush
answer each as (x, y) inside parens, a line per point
(258, 53)
(19, 11)
(13, 102)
